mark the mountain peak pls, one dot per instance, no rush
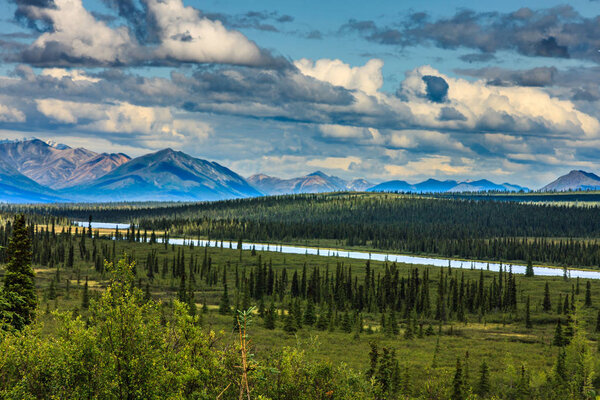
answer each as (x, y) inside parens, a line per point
(319, 173)
(57, 146)
(574, 180)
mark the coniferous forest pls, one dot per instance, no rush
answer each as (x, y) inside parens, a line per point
(124, 314)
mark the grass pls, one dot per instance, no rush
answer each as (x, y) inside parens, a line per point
(500, 338)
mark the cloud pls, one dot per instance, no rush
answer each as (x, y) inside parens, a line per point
(430, 166)
(259, 20)
(76, 75)
(187, 37)
(367, 78)
(342, 163)
(165, 33)
(76, 37)
(154, 127)
(539, 76)
(558, 32)
(436, 88)
(10, 114)
(494, 108)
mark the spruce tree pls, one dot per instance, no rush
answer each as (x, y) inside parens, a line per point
(85, 296)
(224, 307)
(560, 369)
(457, 384)
(529, 269)
(270, 317)
(373, 358)
(546, 304)
(559, 339)
(483, 385)
(290, 325)
(588, 294)
(309, 313)
(19, 286)
(523, 384)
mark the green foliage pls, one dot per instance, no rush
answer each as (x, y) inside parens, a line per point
(19, 286)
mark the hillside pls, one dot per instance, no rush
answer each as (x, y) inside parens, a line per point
(574, 180)
(166, 175)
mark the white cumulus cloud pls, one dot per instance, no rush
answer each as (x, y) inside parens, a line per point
(367, 78)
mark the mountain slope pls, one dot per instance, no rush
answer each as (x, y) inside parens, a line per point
(574, 180)
(166, 175)
(17, 188)
(435, 186)
(317, 182)
(58, 166)
(392, 186)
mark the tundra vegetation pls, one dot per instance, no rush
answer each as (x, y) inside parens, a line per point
(117, 314)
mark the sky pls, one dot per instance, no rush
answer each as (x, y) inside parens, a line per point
(507, 91)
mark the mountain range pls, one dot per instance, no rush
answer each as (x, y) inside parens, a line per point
(435, 186)
(317, 182)
(32, 170)
(58, 166)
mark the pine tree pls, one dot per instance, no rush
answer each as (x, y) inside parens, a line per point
(346, 323)
(523, 384)
(588, 294)
(560, 369)
(270, 317)
(547, 304)
(528, 323)
(457, 384)
(391, 325)
(309, 313)
(224, 307)
(290, 325)
(483, 385)
(373, 357)
(322, 321)
(85, 297)
(19, 286)
(529, 269)
(559, 339)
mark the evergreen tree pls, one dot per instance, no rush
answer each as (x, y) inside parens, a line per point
(391, 325)
(224, 306)
(457, 383)
(322, 321)
(546, 303)
(85, 296)
(588, 294)
(346, 323)
(289, 324)
(559, 339)
(270, 317)
(483, 385)
(529, 269)
(309, 313)
(373, 357)
(598, 322)
(19, 286)
(560, 369)
(523, 384)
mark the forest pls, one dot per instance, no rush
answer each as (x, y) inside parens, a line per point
(509, 231)
(116, 314)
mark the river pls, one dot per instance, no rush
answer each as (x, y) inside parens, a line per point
(362, 255)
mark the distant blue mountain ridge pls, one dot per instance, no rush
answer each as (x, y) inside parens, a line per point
(34, 171)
